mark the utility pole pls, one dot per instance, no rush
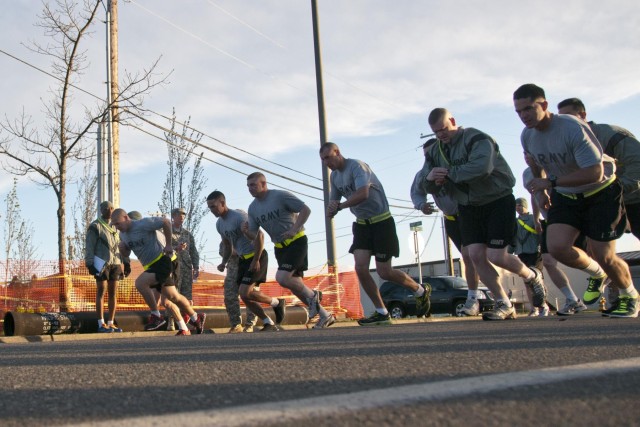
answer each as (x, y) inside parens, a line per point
(114, 94)
(328, 222)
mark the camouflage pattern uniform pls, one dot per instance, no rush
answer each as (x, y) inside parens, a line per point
(189, 260)
(231, 301)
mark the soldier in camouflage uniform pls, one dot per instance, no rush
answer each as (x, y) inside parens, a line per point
(231, 301)
(188, 256)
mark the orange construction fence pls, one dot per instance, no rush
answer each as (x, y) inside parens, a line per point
(43, 290)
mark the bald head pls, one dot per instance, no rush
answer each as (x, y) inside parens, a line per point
(120, 220)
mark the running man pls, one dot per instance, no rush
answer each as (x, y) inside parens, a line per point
(572, 304)
(155, 252)
(374, 231)
(527, 248)
(252, 260)
(282, 215)
(468, 163)
(586, 196)
(449, 208)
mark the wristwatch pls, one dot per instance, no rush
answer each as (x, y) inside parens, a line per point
(553, 179)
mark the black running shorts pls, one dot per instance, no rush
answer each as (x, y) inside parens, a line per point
(493, 224)
(246, 277)
(380, 238)
(600, 217)
(166, 272)
(293, 257)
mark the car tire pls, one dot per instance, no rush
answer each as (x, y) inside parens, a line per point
(397, 310)
(457, 308)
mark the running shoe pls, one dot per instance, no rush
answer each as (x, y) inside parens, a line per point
(104, 329)
(314, 305)
(237, 329)
(544, 311)
(534, 312)
(627, 307)
(280, 311)
(537, 288)
(614, 306)
(423, 302)
(500, 312)
(471, 307)
(114, 328)
(154, 323)
(375, 319)
(594, 286)
(199, 322)
(248, 328)
(183, 332)
(269, 328)
(325, 322)
(571, 308)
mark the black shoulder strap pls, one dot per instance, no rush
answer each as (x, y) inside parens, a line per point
(613, 141)
(479, 137)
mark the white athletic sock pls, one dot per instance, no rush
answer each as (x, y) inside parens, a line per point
(181, 325)
(506, 302)
(382, 311)
(100, 322)
(110, 323)
(194, 317)
(420, 291)
(594, 269)
(156, 313)
(274, 302)
(630, 292)
(568, 292)
(267, 321)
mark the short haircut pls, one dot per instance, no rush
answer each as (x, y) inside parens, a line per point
(215, 195)
(429, 142)
(530, 91)
(436, 114)
(328, 146)
(118, 213)
(256, 175)
(576, 103)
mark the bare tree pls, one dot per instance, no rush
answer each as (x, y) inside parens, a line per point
(84, 210)
(46, 152)
(19, 249)
(185, 182)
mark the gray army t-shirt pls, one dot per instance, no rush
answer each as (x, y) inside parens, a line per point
(357, 174)
(567, 145)
(276, 213)
(144, 240)
(230, 227)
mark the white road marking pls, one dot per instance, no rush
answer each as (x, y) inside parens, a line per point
(293, 410)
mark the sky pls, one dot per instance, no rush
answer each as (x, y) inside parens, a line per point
(244, 73)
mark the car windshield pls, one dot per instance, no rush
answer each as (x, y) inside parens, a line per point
(459, 283)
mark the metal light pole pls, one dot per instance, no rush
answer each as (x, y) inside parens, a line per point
(328, 222)
(416, 227)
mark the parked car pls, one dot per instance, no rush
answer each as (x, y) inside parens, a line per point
(448, 295)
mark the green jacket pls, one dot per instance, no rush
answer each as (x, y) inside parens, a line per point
(102, 241)
(478, 174)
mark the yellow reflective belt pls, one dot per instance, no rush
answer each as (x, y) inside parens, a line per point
(450, 217)
(289, 241)
(374, 219)
(592, 192)
(527, 227)
(146, 267)
(247, 256)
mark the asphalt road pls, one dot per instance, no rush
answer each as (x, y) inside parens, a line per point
(584, 371)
